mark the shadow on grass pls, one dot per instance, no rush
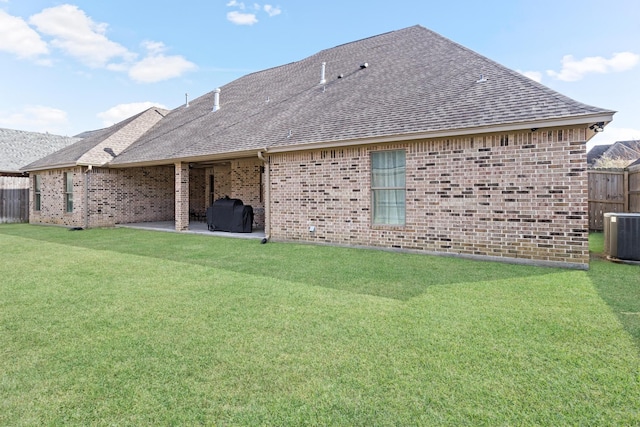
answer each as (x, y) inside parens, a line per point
(618, 285)
(371, 272)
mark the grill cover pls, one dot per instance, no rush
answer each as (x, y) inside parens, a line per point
(230, 215)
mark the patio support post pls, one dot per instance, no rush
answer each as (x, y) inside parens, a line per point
(182, 196)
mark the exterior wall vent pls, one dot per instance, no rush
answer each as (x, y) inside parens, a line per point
(622, 236)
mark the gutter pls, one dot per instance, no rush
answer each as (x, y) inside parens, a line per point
(522, 126)
(267, 195)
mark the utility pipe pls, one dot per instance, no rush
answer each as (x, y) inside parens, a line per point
(267, 195)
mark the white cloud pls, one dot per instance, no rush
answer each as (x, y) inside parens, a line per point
(573, 70)
(36, 118)
(123, 111)
(271, 10)
(77, 35)
(154, 48)
(18, 38)
(612, 134)
(234, 3)
(533, 75)
(240, 18)
(156, 66)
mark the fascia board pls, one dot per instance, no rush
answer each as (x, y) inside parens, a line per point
(572, 121)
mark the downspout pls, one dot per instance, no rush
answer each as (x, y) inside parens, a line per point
(267, 196)
(86, 196)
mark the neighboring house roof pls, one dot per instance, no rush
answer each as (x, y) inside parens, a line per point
(620, 150)
(416, 84)
(628, 150)
(19, 148)
(101, 146)
(596, 152)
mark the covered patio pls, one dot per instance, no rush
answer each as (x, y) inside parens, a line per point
(195, 227)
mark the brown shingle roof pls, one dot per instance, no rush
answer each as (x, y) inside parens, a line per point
(18, 148)
(101, 146)
(416, 82)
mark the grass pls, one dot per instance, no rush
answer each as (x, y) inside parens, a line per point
(126, 327)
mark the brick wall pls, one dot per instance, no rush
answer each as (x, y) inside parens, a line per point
(53, 201)
(518, 196)
(114, 195)
(246, 178)
(143, 194)
(221, 181)
(131, 195)
(197, 190)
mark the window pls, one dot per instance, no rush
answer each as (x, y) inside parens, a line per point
(388, 187)
(37, 197)
(68, 191)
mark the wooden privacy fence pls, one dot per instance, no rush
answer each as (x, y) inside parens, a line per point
(612, 191)
(14, 199)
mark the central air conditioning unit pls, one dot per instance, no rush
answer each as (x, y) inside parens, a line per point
(622, 236)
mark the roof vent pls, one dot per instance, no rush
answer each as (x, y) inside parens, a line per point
(186, 99)
(482, 79)
(365, 65)
(216, 99)
(323, 80)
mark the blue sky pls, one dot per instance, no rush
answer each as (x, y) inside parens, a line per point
(79, 65)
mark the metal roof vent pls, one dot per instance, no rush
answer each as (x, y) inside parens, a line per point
(482, 79)
(365, 65)
(323, 80)
(216, 99)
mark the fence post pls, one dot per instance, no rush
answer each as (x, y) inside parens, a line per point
(625, 190)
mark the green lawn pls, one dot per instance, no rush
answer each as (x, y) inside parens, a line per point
(126, 327)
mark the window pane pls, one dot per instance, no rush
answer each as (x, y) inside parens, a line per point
(37, 186)
(68, 191)
(388, 169)
(388, 207)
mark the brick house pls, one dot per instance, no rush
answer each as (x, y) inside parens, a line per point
(72, 187)
(404, 140)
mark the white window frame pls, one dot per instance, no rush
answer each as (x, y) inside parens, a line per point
(388, 189)
(68, 192)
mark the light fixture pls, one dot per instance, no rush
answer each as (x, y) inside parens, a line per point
(597, 127)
